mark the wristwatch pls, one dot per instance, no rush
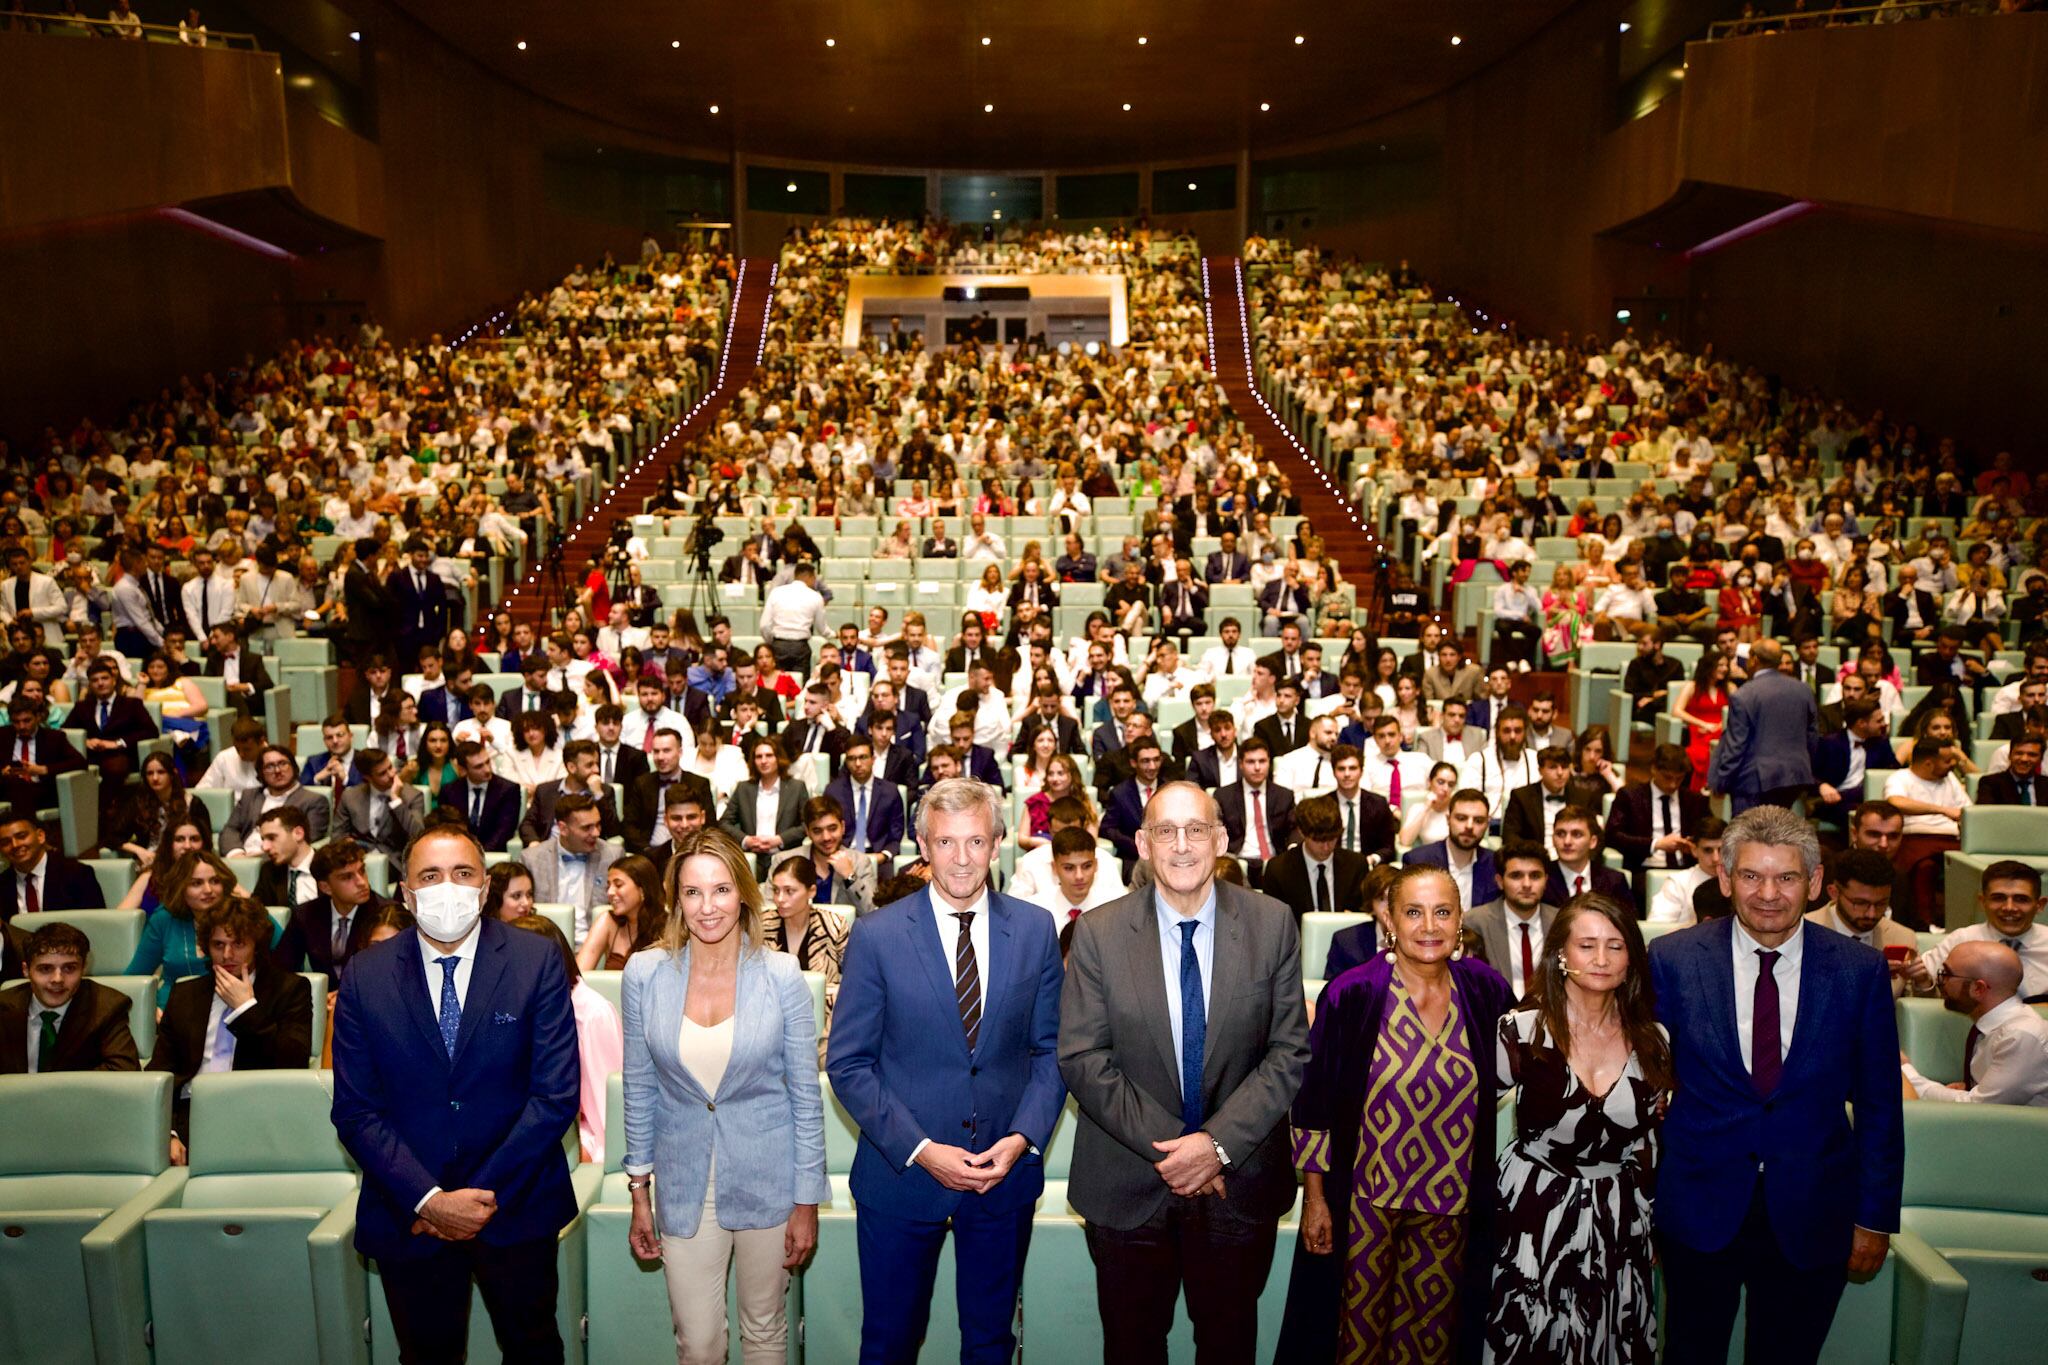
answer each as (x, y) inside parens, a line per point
(1221, 1155)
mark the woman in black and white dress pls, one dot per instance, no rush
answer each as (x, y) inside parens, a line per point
(1590, 1067)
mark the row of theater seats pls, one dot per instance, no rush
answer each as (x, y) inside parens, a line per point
(246, 1255)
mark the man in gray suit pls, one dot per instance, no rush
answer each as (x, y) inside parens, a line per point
(1511, 929)
(743, 812)
(1450, 740)
(380, 811)
(1765, 754)
(278, 785)
(1183, 1040)
(569, 868)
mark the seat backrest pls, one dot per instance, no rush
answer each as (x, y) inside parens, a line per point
(1965, 1156)
(113, 933)
(2004, 829)
(85, 1122)
(842, 1135)
(563, 917)
(610, 985)
(614, 1122)
(264, 1122)
(141, 993)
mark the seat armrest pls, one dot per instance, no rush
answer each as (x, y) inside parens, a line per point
(116, 1273)
(341, 1288)
(1927, 1315)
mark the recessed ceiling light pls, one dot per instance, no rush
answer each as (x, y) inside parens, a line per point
(988, 108)
(714, 108)
(355, 35)
(1299, 39)
(790, 187)
(675, 42)
(1626, 26)
(1143, 40)
(522, 44)
(1264, 107)
(986, 41)
(1456, 40)
(1191, 184)
(1127, 108)
(831, 42)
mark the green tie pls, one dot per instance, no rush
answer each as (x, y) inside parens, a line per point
(46, 1050)
(292, 885)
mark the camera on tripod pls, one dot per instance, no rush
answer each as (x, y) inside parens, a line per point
(704, 538)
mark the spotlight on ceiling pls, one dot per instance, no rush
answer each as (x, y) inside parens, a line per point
(675, 42)
(790, 187)
(714, 108)
(355, 35)
(1264, 107)
(831, 42)
(1143, 40)
(1299, 39)
(1191, 184)
(1456, 40)
(988, 108)
(1127, 108)
(1626, 26)
(522, 44)
(986, 41)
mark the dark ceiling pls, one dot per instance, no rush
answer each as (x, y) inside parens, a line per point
(906, 80)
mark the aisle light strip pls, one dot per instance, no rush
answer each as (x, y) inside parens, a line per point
(711, 394)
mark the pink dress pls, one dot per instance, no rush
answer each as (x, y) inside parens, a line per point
(601, 1047)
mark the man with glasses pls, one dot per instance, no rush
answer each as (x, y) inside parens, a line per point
(1182, 1166)
(279, 772)
(2005, 1060)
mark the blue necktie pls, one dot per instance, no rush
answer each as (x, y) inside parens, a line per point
(451, 1005)
(860, 820)
(1194, 1030)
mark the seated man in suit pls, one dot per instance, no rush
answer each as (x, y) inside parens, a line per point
(1459, 851)
(323, 933)
(35, 756)
(1652, 824)
(579, 778)
(1080, 880)
(642, 825)
(249, 1015)
(1215, 765)
(1859, 904)
(1511, 929)
(1367, 825)
(2022, 782)
(1317, 874)
(1914, 613)
(2033, 697)
(76, 1024)
(1125, 810)
(489, 802)
(1841, 760)
(279, 772)
(1048, 712)
(894, 761)
(383, 812)
(1287, 728)
(617, 763)
(1575, 835)
(287, 876)
(978, 760)
(1258, 813)
(114, 725)
(2008, 1062)
(36, 878)
(839, 876)
(872, 805)
(1449, 675)
(335, 766)
(569, 867)
(1112, 734)
(817, 730)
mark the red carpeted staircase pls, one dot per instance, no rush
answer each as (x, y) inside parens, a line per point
(1341, 523)
(745, 327)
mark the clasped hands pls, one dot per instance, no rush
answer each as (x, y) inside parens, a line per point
(456, 1215)
(956, 1168)
(1191, 1166)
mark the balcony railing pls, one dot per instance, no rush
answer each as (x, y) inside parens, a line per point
(120, 30)
(1893, 12)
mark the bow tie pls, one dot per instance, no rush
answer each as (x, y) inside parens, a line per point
(575, 857)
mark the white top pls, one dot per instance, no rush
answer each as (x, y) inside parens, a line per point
(793, 611)
(1516, 925)
(2031, 946)
(1673, 902)
(705, 1050)
(1748, 967)
(767, 805)
(1305, 771)
(1169, 959)
(229, 772)
(1947, 792)
(2009, 1065)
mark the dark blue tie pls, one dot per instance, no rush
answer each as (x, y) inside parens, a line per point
(451, 1004)
(1194, 1030)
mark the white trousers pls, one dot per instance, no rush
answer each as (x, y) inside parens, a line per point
(695, 1268)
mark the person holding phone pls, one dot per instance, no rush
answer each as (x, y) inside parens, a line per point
(1860, 905)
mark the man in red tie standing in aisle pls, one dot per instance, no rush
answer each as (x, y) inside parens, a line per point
(1769, 1190)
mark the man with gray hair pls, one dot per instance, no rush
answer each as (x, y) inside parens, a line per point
(943, 1052)
(1767, 1186)
(1182, 1165)
(1765, 754)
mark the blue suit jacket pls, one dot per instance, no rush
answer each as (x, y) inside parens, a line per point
(765, 1122)
(1122, 815)
(1772, 726)
(492, 1118)
(1822, 1177)
(1353, 947)
(501, 810)
(885, 812)
(1831, 761)
(1485, 882)
(899, 1062)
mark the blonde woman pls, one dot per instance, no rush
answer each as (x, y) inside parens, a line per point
(711, 1016)
(1567, 613)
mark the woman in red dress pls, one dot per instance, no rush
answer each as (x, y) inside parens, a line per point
(1703, 708)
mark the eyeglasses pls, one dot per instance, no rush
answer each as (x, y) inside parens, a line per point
(1197, 835)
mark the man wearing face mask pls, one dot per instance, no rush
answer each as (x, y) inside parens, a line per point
(455, 1076)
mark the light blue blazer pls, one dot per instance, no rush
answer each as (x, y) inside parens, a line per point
(767, 1120)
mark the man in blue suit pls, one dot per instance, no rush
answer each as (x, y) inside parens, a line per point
(944, 1052)
(490, 803)
(1778, 1032)
(455, 1077)
(1459, 853)
(859, 792)
(419, 601)
(1765, 754)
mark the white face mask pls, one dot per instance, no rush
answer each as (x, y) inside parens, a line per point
(446, 911)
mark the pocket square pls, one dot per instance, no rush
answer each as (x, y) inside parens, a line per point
(502, 1018)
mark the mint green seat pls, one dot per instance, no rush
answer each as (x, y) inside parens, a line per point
(1932, 1036)
(83, 1157)
(141, 993)
(267, 1172)
(563, 917)
(115, 876)
(628, 1298)
(219, 803)
(78, 811)
(2004, 829)
(1962, 1197)
(303, 651)
(816, 981)
(609, 985)
(114, 933)
(1317, 929)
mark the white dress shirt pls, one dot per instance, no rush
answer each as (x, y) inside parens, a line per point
(464, 954)
(1218, 662)
(1461, 873)
(1516, 923)
(794, 611)
(218, 1017)
(1947, 792)
(1326, 872)
(1785, 972)
(1673, 902)
(949, 940)
(2009, 1064)
(1169, 960)
(638, 727)
(1485, 771)
(1304, 771)
(2032, 948)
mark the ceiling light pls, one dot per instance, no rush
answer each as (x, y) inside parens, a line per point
(714, 108)
(790, 187)
(1626, 26)
(988, 108)
(355, 35)
(522, 44)
(1299, 40)
(831, 42)
(1264, 107)
(1456, 40)
(675, 42)
(1127, 108)
(1142, 41)
(1191, 184)
(986, 41)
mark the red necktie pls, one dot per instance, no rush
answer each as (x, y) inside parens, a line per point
(1073, 913)
(1394, 787)
(1579, 885)
(35, 902)
(1259, 823)
(1528, 959)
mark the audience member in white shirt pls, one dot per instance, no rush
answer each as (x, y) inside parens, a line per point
(1078, 881)
(235, 768)
(2009, 898)
(2005, 1060)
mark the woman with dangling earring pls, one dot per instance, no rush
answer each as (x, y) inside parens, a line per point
(1394, 1136)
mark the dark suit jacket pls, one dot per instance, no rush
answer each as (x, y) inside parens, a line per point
(900, 767)
(127, 720)
(1205, 768)
(1522, 817)
(2003, 789)
(1229, 568)
(1634, 815)
(1279, 807)
(1123, 814)
(67, 885)
(358, 707)
(1378, 825)
(1826, 1175)
(371, 623)
(1772, 727)
(1126, 1082)
(538, 824)
(252, 672)
(1269, 730)
(491, 1117)
(766, 700)
(93, 1037)
(831, 745)
(1831, 762)
(1108, 739)
(1187, 740)
(627, 764)
(740, 812)
(409, 605)
(1287, 880)
(500, 814)
(886, 825)
(730, 571)
(1353, 947)
(643, 807)
(1895, 611)
(1065, 727)
(53, 750)
(274, 1034)
(1604, 881)
(2007, 727)
(1002, 664)
(307, 943)
(1485, 873)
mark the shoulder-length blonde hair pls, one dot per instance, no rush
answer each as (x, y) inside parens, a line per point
(739, 866)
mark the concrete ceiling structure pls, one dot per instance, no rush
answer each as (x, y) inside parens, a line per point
(967, 83)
